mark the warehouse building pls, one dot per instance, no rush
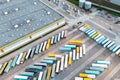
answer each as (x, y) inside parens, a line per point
(22, 21)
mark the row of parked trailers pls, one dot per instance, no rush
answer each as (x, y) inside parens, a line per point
(101, 39)
(94, 70)
(52, 65)
(22, 57)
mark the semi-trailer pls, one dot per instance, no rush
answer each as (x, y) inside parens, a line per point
(8, 66)
(70, 46)
(92, 72)
(83, 75)
(29, 74)
(76, 42)
(65, 49)
(18, 77)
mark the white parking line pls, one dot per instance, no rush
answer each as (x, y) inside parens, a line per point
(113, 72)
(101, 27)
(84, 65)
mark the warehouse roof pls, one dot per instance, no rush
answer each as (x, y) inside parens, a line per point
(21, 17)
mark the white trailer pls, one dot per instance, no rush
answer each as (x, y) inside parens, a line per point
(117, 52)
(28, 54)
(81, 52)
(18, 77)
(84, 50)
(74, 55)
(63, 33)
(59, 36)
(44, 46)
(107, 43)
(66, 61)
(62, 63)
(41, 47)
(78, 78)
(99, 65)
(58, 67)
(19, 58)
(40, 75)
(52, 39)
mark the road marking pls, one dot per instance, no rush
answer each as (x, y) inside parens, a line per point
(109, 57)
(77, 70)
(105, 22)
(113, 72)
(101, 27)
(86, 39)
(90, 47)
(72, 31)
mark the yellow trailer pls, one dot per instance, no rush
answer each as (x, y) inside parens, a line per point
(51, 55)
(3, 68)
(88, 79)
(96, 34)
(77, 42)
(49, 73)
(23, 57)
(70, 58)
(70, 61)
(78, 50)
(86, 26)
(83, 75)
(48, 44)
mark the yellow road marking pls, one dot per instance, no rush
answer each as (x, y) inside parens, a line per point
(105, 22)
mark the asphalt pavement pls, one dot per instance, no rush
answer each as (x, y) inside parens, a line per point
(94, 52)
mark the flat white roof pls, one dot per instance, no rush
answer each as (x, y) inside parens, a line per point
(21, 17)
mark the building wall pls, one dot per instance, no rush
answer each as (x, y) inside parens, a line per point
(107, 4)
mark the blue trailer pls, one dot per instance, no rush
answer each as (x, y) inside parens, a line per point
(31, 70)
(14, 61)
(97, 69)
(111, 44)
(112, 47)
(70, 46)
(40, 64)
(33, 52)
(100, 41)
(56, 38)
(85, 30)
(103, 62)
(35, 67)
(49, 62)
(92, 34)
(105, 41)
(106, 44)
(37, 49)
(92, 72)
(64, 49)
(88, 30)
(116, 48)
(50, 58)
(29, 74)
(8, 66)
(97, 36)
